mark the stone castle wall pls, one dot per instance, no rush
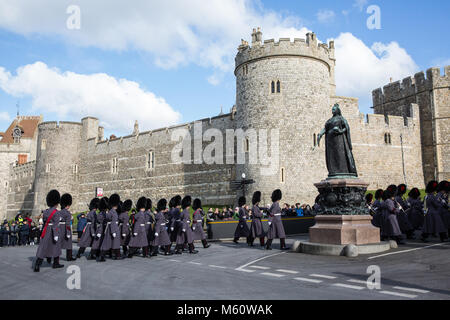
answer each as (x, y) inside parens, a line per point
(20, 193)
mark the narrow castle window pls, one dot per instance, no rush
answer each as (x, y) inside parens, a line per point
(150, 160)
(75, 169)
(272, 87)
(114, 165)
(278, 86)
(43, 144)
(389, 138)
(282, 175)
(246, 145)
(314, 140)
(47, 168)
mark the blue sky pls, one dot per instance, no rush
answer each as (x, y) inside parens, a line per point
(169, 63)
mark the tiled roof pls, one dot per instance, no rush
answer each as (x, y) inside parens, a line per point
(28, 124)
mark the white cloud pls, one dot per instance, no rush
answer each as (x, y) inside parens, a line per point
(4, 116)
(360, 4)
(360, 69)
(116, 102)
(325, 16)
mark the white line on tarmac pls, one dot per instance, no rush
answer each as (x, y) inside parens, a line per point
(241, 268)
(357, 281)
(308, 280)
(259, 267)
(412, 289)
(194, 262)
(287, 271)
(174, 260)
(322, 276)
(244, 270)
(273, 274)
(409, 250)
(214, 266)
(404, 295)
(343, 285)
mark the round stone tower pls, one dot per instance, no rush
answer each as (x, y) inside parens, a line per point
(284, 87)
(57, 161)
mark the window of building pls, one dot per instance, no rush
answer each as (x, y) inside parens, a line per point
(314, 140)
(47, 168)
(75, 169)
(246, 145)
(245, 70)
(151, 160)
(6, 184)
(114, 165)
(387, 138)
(43, 144)
(22, 158)
(16, 140)
(282, 175)
(278, 86)
(272, 87)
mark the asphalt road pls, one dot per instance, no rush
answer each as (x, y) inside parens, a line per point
(230, 271)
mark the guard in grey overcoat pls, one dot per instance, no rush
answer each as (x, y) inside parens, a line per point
(242, 229)
(433, 206)
(149, 221)
(49, 245)
(197, 223)
(66, 226)
(256, 228)
(100, 228)
(111, 237)
(276, 229)
(442, 195)
(124, 225)
(161, 237)
(391, 229)
(174, 218)
(88, 234)
(184, 231)
(138, 237)
(404, 209)
(376, 209)
(415, 214)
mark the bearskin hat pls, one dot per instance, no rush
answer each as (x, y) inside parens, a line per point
(148, 205)
(177, 201)
(104, 204)
(114, 200)
(94, 203)
(119, 207)
(443, 186)
(386, 195)
(241, 201)
(196, 204)
(393, 190)
(141, 203)
(126, 206)
(256, 197)
(276, 195)
(401, 189)
(186, 202)
(66, 200)
(171, 201)
(162, 205)
(369, 197)
(431, 186)
(414, 193)
(53, 198)
(379, 194)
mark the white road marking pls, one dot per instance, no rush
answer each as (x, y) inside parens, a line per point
(245, 270)
(174, 260)
(322, 276)
(404, 295)
(287, 271)
(343, 285)
(259, 267)
(194, 262)
(409, 250)
(214, 266)
(252, 262)
(358, 281)
(308, 280)
(412, 289)
(273, 274)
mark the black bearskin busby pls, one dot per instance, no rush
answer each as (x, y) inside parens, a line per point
(162, 205)
(414, 193)
(127, 205)
(431, 186)
(53, 198)
(379, 194)
(104, 204)
(148, 206)
(94, 204)
(197, 204)
(177, 201)
(276, 195)
(171, 201)
(443, 186)
(401, 189)
(386, 195)
(186, 202)
(114, 200)
(141, 203)
(66, 200)
(241, 201)
(369, 198)
(256, 197)
(393, 190)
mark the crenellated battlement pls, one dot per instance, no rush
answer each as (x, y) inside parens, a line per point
(411, 86)
(22, 170)
(308, 48)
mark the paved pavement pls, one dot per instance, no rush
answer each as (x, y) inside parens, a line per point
(415, 271)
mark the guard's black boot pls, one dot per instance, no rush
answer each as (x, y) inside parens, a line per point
(101, 257)
(269, 244)
(250, 241)
(145, 252)
(167, 251)
(56, 264)
(49, 260)
(191, 248)
(178, 249)
(117, 254)
(235, 240)
(69, 256)
(399, 240)
(205, 244)
(154, 251)
(443, 236)
(37, 265)
(110, 253)
(80, 252)
(91, 255)
(261, 241)
(125, 250)
(283, 244)
(131, 252)
(424, 237)
(185, 247)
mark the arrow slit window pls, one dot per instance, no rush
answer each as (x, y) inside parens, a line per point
(282, 175)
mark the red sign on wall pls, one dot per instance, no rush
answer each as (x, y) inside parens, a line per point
(99, 192)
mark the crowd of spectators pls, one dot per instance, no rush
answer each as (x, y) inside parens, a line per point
(22, 231)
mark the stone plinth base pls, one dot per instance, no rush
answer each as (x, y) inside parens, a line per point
(343, 230)
(349, 250)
